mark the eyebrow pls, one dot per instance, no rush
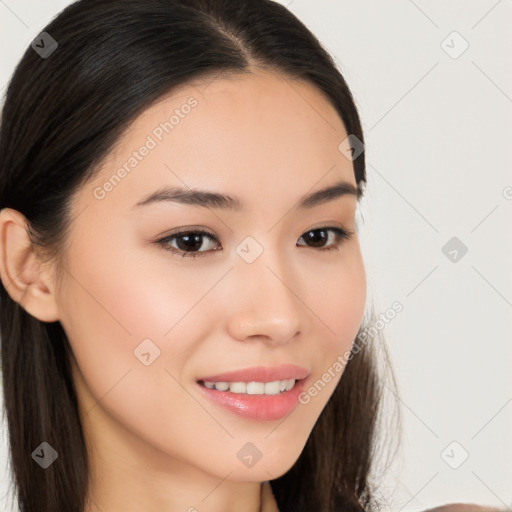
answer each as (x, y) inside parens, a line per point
(208, 199)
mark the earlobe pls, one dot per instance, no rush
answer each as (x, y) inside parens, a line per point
(22, 272)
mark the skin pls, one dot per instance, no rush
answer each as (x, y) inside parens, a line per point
(154, 442)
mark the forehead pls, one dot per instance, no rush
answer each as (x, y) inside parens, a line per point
(251, 134)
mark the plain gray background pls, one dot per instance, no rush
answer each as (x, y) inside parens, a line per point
(433, 83)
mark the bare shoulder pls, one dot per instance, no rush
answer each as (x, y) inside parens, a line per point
(464, 507)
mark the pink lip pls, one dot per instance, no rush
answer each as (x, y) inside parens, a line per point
(257, 407)
(260, 374)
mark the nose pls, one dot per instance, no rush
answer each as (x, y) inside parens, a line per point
(265, 305)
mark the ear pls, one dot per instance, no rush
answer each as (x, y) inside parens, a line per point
(22, 272)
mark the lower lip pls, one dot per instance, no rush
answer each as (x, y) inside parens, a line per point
(257, 407)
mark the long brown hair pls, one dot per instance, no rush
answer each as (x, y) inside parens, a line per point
(63, 112)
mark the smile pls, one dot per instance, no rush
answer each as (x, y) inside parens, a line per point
(252, 388)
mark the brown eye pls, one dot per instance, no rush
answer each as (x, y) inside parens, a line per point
(319, 236)
(188, 243)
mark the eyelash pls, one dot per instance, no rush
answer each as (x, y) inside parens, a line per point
(341, 235)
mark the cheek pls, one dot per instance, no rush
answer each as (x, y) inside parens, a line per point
(121, 312)
(117, 390)
(338, 296)
(108, 309)
(340, 301)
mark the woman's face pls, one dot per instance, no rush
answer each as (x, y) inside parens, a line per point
(146, 324)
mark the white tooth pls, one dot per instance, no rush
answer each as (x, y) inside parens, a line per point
(272, 388)
(222, 386)
(255, 388)
(237, 387)
(289, 384)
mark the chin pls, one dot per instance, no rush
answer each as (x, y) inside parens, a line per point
(268, 467)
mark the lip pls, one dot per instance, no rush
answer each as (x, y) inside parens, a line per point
(260, 374)
(256, 407)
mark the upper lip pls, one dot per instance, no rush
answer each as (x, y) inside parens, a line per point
(260, 374)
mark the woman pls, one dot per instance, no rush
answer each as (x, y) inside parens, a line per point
(137, 135)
